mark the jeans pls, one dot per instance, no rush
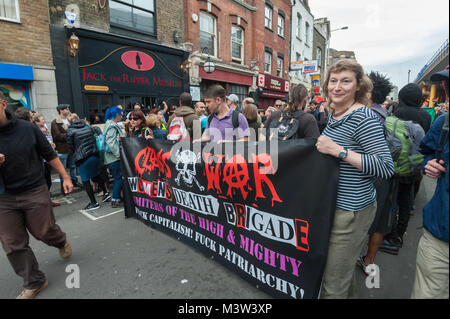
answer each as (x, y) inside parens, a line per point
(116, 172)
(67, 161)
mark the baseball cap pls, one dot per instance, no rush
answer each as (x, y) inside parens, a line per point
(233, 98)
(440, 76)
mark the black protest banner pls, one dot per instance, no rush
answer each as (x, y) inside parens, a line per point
(265, 214)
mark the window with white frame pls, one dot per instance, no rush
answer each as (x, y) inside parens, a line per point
(134, 15)
(307, 30)
(267, 62)
(280, 62)
(9, 10)
(319, 57)
(299, 26)
(280, 26)
(237, 44)
(208, 33)
(268, 17)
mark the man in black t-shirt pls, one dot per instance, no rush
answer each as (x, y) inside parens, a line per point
(25, 201)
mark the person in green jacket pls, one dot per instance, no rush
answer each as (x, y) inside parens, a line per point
(113, 133)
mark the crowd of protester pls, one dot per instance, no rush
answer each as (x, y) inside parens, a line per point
(373, 205)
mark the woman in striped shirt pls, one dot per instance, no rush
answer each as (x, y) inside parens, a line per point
(355, 136)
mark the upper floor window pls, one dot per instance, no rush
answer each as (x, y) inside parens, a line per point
(9, 10)
(237, 44)
(319, 57)
(208, 33)
(268, 17)
(299, 26)
(267, 62)
(307, 30)
(280, 26)
(280, 62)
(136, 15)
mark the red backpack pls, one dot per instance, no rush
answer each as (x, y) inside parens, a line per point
(178, 130)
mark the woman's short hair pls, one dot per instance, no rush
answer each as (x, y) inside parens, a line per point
(250, 111)
(362, 80)
(152, 121)
(73, 117)
(112, 113)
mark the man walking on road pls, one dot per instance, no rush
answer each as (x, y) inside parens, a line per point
(431, 279)
(25, 203)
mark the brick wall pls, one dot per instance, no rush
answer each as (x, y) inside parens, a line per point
(269, 38)
(170, 18)
(27, 42)
(226, 13)
(91, 16)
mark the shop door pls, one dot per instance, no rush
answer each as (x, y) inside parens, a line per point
(97, 105)
(146, 102)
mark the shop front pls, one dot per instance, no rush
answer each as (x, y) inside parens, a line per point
(273, 89)
(15, 84)
(113, 70)
(234, 83)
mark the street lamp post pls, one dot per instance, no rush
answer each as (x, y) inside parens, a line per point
(409, 72)
(209, 65)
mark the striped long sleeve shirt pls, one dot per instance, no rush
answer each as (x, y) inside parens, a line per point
(361, 132)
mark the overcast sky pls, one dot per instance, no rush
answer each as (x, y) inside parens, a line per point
(389, 36)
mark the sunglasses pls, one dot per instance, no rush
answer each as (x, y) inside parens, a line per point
(134, 118)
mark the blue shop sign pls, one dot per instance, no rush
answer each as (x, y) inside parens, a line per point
(16, 72)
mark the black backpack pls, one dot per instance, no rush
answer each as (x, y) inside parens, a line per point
(287, 126)
(234, 119)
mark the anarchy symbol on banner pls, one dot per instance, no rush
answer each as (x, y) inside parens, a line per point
(102, 4)
(230, 237)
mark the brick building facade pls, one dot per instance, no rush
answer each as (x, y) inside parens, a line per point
(236, 39)
(27, 72)
(128, 53)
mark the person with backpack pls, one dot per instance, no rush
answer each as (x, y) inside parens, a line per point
(432, 266)
(181, 123)
(412, 123)
(293, 122)
(224, 124)
(81, 141)
(386, 188)
(354, 136)
(113, 133)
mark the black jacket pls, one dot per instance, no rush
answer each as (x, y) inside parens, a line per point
(81, 141)
(24, 146)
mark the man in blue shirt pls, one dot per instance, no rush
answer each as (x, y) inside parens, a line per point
(432, 268)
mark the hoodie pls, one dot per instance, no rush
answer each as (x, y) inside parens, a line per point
(410, 100)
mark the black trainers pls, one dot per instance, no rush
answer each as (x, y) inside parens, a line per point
(91, 206)
(106, 197)
(116, 204)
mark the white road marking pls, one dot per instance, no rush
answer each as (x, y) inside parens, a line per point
(86, 213)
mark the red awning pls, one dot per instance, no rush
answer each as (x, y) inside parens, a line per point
(223, 76)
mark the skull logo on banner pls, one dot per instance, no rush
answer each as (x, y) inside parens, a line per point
(186, 168)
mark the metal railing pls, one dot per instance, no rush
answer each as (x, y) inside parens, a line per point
(441, 53)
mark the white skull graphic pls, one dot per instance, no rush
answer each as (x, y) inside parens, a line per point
(186, 168)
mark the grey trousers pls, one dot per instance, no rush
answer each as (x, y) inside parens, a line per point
(348, 235)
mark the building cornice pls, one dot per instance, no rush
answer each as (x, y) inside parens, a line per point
(245, 5)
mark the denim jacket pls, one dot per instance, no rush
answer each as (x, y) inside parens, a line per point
(435, 213)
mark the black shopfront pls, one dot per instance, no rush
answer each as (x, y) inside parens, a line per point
(112, 70)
